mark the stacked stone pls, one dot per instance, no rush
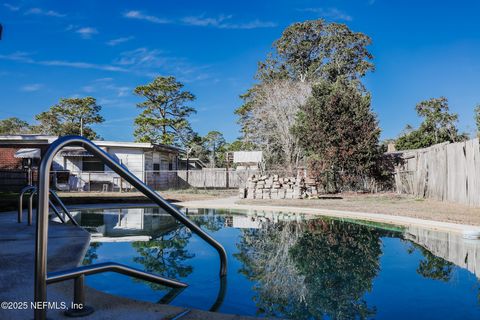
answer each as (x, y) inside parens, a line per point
(275, 187)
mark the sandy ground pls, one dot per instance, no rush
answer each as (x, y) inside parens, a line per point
(389, 203)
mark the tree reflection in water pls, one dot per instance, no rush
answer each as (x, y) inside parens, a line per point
(91, 254)
(166, 255)
(312, 269)
(431, 266)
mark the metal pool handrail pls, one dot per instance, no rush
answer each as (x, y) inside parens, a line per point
(41, 276)
(33, 191)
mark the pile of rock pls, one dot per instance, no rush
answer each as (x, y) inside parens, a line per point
(275, 187)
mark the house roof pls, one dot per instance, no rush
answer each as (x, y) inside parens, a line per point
(39, 139)
(193, 160)
(27, 139)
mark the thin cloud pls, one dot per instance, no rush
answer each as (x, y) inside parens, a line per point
(202, 21)
(26, 58)
(330, 13)
(152, 62)
(223, 22)
(32, 87)
(107, 85)
(118, 41)
(42, 12)
(141, 61)
(80, 65)
(133, 14)
(86, 32)
(11, 7)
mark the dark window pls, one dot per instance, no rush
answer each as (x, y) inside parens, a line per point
(170, 166)
(92, 164)
(156, 167)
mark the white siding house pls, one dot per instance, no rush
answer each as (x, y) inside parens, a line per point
(145, 160)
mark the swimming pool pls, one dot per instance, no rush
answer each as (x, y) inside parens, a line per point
(289, 265)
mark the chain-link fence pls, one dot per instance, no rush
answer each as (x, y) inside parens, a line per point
(109, 181)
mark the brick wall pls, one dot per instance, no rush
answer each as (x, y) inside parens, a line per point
(7, 159)
(12, 176)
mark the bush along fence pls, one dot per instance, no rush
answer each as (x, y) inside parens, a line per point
(270, 186)
(446, 172)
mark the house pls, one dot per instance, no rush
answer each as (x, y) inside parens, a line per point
(76, 169)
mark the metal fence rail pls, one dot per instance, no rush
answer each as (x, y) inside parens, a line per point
(41, 245)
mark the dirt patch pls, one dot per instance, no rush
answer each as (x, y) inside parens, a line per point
(385, 203)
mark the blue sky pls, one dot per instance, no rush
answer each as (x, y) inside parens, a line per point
(54, 49)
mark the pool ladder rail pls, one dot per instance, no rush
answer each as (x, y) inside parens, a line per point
(33, 191)
(42, 278)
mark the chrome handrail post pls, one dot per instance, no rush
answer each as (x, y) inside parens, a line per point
(30, 206)
(78, 308)
(40, 285)
(20, 201)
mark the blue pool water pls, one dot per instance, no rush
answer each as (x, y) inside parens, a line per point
(289, 266)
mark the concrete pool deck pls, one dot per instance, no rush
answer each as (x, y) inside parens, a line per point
(66, 249)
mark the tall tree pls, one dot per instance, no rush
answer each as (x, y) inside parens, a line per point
(14, 125)
(314, 50)
(306, 53)
(477, 118)
(268, 117)
(439, 125)
(339, 131)
(71, 116)
(165, 112)
(214, 142)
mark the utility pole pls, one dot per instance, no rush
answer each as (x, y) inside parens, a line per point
(81, 126)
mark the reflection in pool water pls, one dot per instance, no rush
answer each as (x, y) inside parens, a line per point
(289, 266)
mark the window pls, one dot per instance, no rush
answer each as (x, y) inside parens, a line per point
(91, 164)
(156, 167)
(170, 166)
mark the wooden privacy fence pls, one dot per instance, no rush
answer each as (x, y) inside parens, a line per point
(446, 172)
(215, 178)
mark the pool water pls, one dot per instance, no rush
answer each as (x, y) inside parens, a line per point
(288, 265)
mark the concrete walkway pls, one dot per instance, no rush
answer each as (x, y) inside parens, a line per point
(66, 249)
(467, 231)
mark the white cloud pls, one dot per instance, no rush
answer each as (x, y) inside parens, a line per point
(32, 87)
(205, 21)
(11, 7)
(80, 65)
(106, 84)
(26, 58)
(222, 22)
(329, 13)
(142, 57)
(42, 12)
(118, 41)
(86, 32)
(133, 14)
